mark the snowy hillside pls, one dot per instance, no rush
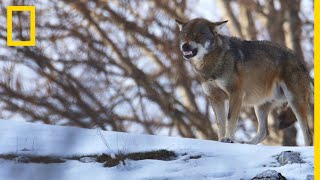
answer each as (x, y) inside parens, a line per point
(37, 152)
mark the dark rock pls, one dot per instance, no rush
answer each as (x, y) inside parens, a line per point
(269, 175)
(289, 157)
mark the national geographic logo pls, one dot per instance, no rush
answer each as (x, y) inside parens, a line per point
(32, 37)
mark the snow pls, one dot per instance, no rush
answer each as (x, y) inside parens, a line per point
(217, 161)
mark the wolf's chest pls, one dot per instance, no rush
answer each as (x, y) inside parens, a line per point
(209, 86)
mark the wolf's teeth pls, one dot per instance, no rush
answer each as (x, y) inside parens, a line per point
(187, 53)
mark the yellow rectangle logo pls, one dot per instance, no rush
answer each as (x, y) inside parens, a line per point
(32, 39)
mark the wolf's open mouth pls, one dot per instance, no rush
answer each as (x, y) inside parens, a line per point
(190, 54)
(186, 53)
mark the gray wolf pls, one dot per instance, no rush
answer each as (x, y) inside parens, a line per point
(261, 74)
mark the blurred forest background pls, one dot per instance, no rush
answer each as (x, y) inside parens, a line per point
(116, 64)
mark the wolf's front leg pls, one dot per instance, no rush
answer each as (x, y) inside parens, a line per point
(235, 103)
(217, 99)
(218, 107)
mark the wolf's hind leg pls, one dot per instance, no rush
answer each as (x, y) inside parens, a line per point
(262, 112)
(301, 112)
(299, 101)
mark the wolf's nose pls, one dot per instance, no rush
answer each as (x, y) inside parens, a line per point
(186, 47)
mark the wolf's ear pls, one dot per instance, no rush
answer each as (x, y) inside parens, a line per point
(219, 23)
(180, 24)
(216, 24)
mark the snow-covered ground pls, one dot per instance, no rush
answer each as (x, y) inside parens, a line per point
(217, 160)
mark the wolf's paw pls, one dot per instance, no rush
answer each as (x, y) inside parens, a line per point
(243, 142)
(226, 140)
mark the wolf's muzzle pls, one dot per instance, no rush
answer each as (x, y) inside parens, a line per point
(188, 51)
(186, 47)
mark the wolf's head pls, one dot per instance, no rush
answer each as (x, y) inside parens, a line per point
(198, 37)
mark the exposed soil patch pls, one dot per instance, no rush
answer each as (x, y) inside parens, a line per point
(108, 160)
(195, 157)
(32, 159)
(163, 155)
